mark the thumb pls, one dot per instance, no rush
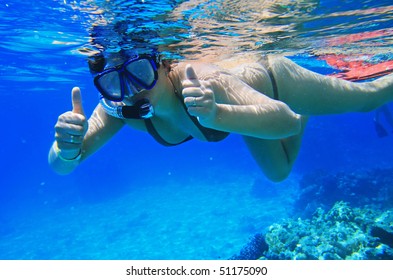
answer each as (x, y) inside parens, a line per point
(192, 76)
(77, 101)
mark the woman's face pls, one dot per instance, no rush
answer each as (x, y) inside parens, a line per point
(124, 78)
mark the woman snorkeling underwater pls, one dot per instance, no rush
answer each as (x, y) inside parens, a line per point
(266, 100)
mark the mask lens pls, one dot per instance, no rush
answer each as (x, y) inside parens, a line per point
(109, 84)
(143, 72)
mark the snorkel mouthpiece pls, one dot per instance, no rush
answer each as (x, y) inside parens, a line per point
(142, 109)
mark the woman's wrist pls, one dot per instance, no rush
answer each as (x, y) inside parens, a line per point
(66, 159)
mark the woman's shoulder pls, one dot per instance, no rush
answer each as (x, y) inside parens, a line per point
(237, 60)
(234, 65)
(203, 70)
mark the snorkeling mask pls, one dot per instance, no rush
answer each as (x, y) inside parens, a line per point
(137, 74)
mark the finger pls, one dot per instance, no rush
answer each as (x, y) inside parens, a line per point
(191, 76)
(199, 112)
(191, 102)
(77, 101)
(72, 118)
(193, 92)
(69, 139)
(70, 129)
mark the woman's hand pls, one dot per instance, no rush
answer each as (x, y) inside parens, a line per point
(199, 98)
(71, 128)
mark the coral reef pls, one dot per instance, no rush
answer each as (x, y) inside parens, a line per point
(338, 217)
(341, 233)
(253, 250)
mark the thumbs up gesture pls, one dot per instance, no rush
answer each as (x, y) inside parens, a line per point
(199, 98)
(71, 128)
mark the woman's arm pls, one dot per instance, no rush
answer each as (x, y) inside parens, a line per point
(267, 121)
(226, 103)
(65, 155)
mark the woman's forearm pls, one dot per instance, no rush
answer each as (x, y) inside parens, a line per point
(60, 164)
(267, 121)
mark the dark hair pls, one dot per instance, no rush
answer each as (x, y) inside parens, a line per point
(96, 63)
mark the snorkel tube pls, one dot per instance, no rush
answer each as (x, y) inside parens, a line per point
(142, 109)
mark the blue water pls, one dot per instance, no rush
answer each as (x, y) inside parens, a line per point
(135, 199)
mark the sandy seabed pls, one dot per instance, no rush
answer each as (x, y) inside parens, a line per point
(193, 219)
